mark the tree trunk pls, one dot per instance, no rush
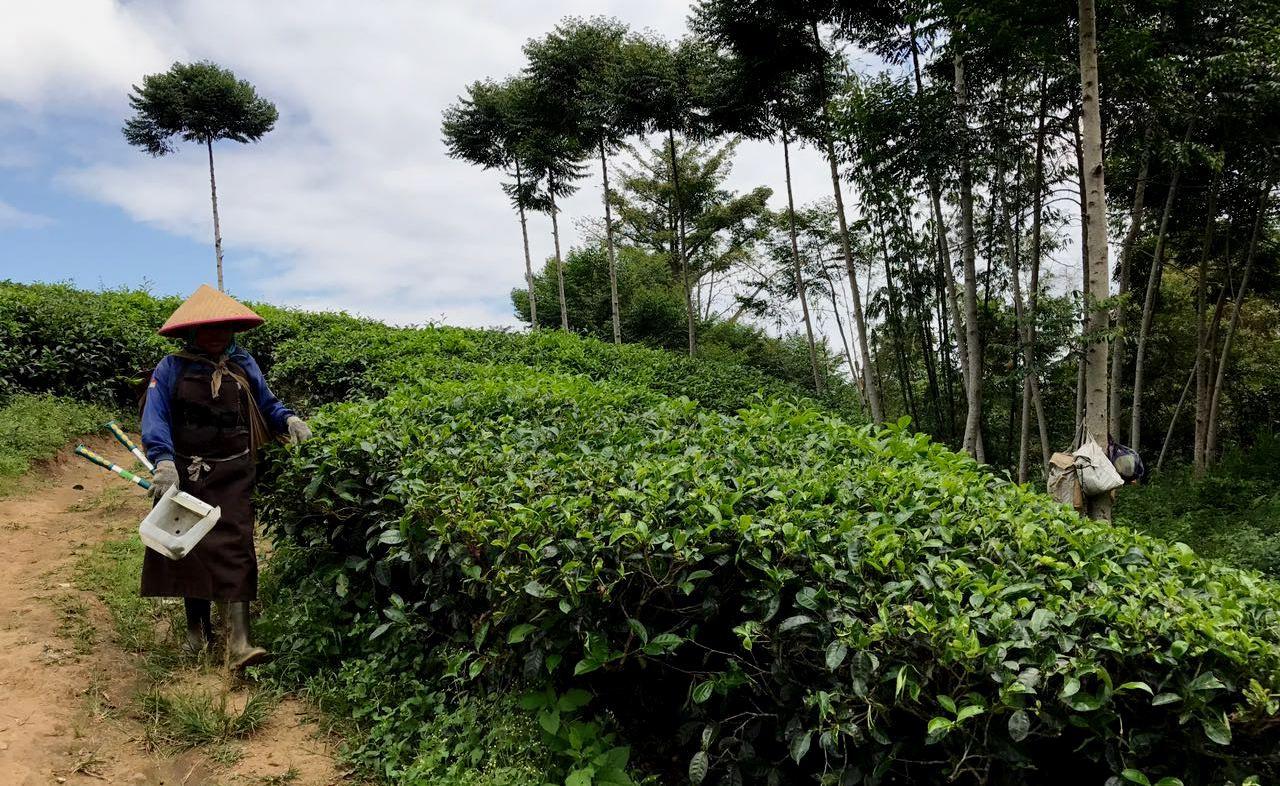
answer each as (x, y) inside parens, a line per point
(940, 235)
(922, 315)
(1148, 312)
(795, 262)
(835, 310)
(1211, 433)
(1095, 417)
(1203, 355)
(1078, 434)
(555, 234)
(691, 316)
(217, 227)
(895, 324)
(973, 339)
(528, 261)
(1030, 383)
(1122, 311)
(1173, 419)
(614, 307)
(860, 322)
(944, 342)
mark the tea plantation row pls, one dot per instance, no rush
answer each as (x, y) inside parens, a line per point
(101, 346)
(805, 597)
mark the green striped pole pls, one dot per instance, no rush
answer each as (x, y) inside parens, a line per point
(123, 439)
(84, 452)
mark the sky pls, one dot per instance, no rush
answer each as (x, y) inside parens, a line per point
(349, 203)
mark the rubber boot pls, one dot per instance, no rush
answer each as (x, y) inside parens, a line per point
(199, 626)
(240, 653)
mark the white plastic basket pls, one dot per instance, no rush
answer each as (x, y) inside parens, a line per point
(177, 523)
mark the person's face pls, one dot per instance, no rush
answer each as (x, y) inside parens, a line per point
(213, 340)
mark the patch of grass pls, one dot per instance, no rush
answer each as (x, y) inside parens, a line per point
(285, 778)
(76, 626)
(35, 427)
(1231, 514)
(110, 570)
(184, 719)
(109, 501)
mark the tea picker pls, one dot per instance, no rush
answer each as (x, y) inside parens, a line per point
(207, 413)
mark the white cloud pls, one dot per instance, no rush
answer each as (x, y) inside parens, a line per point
(16, 218)
(351, 202)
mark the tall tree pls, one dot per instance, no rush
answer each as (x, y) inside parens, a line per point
(199, 102)
(1095, 230)
(701, 226)
(579, 61)
(486, 128)
(662, 88)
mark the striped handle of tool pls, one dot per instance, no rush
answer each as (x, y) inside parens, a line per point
(84, 452)
(123, 439)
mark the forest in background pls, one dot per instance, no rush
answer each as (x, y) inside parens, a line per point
(942, 264)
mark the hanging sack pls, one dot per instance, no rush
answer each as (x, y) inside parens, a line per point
(1064, 481)
(1097, 474)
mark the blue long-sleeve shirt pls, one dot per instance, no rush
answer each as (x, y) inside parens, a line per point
(157, 427)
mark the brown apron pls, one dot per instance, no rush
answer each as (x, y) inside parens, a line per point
(215, 464)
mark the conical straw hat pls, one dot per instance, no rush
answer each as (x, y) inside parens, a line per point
(208, 306)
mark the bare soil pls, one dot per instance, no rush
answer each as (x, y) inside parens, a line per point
(69, 708)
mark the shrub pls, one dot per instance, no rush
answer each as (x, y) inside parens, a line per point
(101, 346)
(1230, 514)
(801, 598)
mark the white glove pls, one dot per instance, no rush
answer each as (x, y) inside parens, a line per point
(164, 478)
(298, 430)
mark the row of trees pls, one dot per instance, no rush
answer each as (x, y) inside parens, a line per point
(986, 133)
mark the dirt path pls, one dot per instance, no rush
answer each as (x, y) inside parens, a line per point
(70, 696)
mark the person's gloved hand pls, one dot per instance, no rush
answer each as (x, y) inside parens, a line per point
(298, 430)
(164, 478)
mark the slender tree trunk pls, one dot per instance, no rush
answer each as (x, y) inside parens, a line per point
(973, 338)
(691, 315)
(795, 262)
(940, 234)
(1081, 353)
(217, 227)
(1030, 383)
(860, 322)
(1095, 418)
(1122, 311)
(835, 310)
(555, 234)
(922, 315)
(1204, 361)
(1173, 419)
(528, 260)
(1215, 399)
(1148, 312)
(895, 324)
(614, 307)
(944, 343)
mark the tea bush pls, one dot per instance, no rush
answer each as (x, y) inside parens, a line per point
(776, 594)
(101, 346)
